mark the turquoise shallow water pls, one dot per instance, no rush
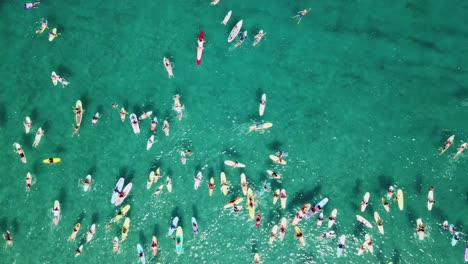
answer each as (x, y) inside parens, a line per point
(361, 94)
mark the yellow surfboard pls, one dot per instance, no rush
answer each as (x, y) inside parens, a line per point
(52, 160)
(400, 199)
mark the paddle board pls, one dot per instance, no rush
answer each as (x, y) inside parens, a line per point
(259, 127)
(236, 201)
(150, 142)
(168, 66)
(198, 180)
(125, 228)
(235, 31)
(277, 160)
(400, 199)
(363, 221)
(299, 235)
(123, 211)
(173, 225)
(341, 246)
(224, 185)
(54, 78)
(141, 254)
(261, 109)
(87, 183)
(117, 189)
(227, 17)
(274, 175)
(78, 112)
(332, 218)
(378, 222)
(273, 233)
(283, 198)
(447, 144)
(51, 160)
(234, 164)
(365, 201)
(283, 227)
(276, 196)
(134, 123)
(27, 124)
(179, 240)
(244, 184)
(56, 212)
(53, 34)
(91, 232)
(420, 228)
(195, 226)
(201, 40)
(318, 207)
(430, 199)
(169, 184)
(154, 246)
(211, 186)
(258, 37)
(123, 194)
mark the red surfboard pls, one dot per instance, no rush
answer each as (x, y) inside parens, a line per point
(201, 37)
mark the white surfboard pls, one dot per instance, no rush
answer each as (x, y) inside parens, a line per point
(430, 199)
(261, 109)
(227, 17)
(419, 224)
(198, 180)
(234, 164)
(363, 221)
(54, 78)
(283, 198)
(244, 184)
(150, 142)
(260, 127)
(378, 222)
(87, 183)
(341, 246)
(91, 232)
(332, 218)
(365, 201)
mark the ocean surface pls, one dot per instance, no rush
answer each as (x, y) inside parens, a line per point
(361, 95)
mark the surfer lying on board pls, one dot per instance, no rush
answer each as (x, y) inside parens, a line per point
(29, 6)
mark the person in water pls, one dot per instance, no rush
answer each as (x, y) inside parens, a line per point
(32, 5)
(301, 15)
(28, 183)
(75, 130)
(43, 26)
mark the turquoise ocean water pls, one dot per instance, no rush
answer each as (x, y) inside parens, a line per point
(361, 95)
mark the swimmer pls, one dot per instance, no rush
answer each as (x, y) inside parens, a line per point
(32, 5)
(241, 39)
(301, 15)
(63, 81)
(122, 114)
(115, 105)
(145, 115)
(43, 27)
(267, 187)
(215, 2)
(390, 192)
(75, 130)
(95, 118)
(28, 182)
